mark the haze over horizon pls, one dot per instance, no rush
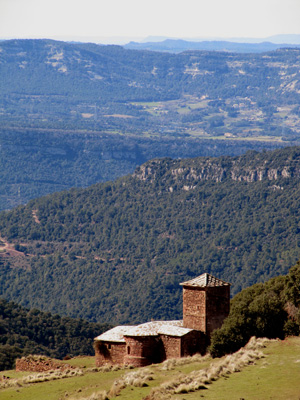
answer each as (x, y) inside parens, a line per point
(120, 22)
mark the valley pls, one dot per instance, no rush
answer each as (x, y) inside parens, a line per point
(74, 114)
(149, 200)
(125, 172)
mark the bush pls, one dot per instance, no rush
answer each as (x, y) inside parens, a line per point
(8, 356)
(263, 310)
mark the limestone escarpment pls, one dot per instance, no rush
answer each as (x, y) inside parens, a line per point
(251, 167)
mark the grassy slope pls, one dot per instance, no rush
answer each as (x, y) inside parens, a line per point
(274, 377)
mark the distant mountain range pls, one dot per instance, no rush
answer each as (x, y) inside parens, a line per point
(278, 39)
(180, 45)
(123, 40)
(73, 114)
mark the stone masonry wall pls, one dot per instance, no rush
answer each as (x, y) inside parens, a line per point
(143, 350)
(172, 346)
(192, 343)
(194, 308)
(218, 304)
(109, 353)
(39, 364)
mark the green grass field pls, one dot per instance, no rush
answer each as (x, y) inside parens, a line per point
(276, 376)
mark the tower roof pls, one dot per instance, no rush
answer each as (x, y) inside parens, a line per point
(205, 280)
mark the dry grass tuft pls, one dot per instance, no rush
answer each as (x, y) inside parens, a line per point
(172, 363)
(197, 380)
(96, 396)
(41, 377)
(136, 378)
(108, 368)
(257, 343)
(116, 388)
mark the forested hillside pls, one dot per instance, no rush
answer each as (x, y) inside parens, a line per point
(116, 252)
(26, 332)
(75, 114)
(67, 86)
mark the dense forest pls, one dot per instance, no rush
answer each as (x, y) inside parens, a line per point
(24, 332)
(117, 251)
(74, 114)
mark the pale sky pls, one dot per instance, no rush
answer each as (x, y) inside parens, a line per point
(72, 19)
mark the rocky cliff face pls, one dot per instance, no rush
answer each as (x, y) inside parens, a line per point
(251, 167)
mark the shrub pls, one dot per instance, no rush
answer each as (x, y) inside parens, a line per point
(263, 310)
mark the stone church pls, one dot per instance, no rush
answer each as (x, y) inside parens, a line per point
(206, 302)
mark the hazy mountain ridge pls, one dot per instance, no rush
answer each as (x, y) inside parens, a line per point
(76, 114)
(88, 83)
(180, 45)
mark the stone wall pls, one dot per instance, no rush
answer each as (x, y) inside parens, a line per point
(194, 308)
(109, 353)
(143, 350)
(172, 346)
(205, 309)
(192, 343)
(39, 364)
(217, 307)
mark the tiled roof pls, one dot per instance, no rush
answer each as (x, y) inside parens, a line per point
(153, 328)
(170, 330)
(205, 280)
(115, 334)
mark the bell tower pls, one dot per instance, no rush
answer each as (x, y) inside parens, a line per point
(206, 302)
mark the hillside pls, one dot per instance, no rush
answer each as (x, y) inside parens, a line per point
(116, 252)
(262, 370)
(76, 114)
(67, 86)
(26, 332)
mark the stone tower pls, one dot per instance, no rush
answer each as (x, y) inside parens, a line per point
(206, 302)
